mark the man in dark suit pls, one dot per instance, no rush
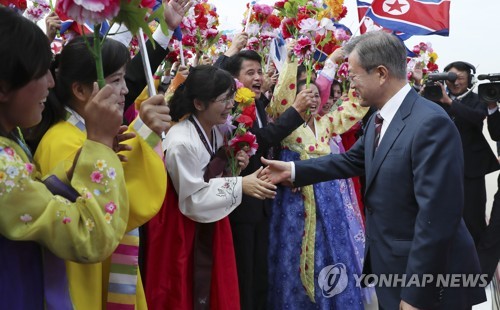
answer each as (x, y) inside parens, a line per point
(488, 248)
(250, 221)
(414, 179)
(468, 113)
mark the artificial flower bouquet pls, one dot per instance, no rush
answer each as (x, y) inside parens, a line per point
(237, 134)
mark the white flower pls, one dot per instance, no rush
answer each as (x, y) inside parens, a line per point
(309, 25)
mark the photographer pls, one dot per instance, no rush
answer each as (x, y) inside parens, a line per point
(468, 112)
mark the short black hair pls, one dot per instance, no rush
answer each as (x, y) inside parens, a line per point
(76, 64)
(233, 64)
(204, 83)
(24, 50)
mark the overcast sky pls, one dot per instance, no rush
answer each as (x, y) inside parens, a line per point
(474, 30)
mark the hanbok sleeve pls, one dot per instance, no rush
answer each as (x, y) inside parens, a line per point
(145, 175)
(201, 201)
(346, 115)
(86, 231)
(285, 91)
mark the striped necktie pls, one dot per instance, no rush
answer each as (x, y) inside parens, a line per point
(378, 128)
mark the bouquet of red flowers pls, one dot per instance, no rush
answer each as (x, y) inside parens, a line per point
(238, 137)
(199, 28)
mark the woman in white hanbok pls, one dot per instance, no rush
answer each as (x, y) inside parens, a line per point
(199, 269)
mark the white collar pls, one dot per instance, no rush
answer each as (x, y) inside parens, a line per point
(391, 107)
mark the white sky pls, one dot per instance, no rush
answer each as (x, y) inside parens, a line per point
(474, 30)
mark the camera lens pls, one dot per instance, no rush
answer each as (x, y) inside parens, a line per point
(490, 92)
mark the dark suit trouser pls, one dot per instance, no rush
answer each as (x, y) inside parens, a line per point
(251, 248)
(489, 245)
(475, 206)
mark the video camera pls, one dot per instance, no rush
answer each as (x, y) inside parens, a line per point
(489, 92)
(432, 91)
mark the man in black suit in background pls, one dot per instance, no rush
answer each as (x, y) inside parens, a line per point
(468, 114)
(250, 221)
(488, 248)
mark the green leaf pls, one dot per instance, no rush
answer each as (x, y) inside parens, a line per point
(133, 16)
(288, 6)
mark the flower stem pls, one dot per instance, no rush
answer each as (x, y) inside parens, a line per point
(98, 56)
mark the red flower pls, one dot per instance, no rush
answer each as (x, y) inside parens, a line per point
(18, 4)
(247, 141)
(343, 13)
(148, 3)
(432, 67)
(279, 4)
(172, 56)
(274, 21)
(199, 9)
(201, 22)
(188, 40)
(250, 112)
(292, 86)
(245, 119)
(288, 27)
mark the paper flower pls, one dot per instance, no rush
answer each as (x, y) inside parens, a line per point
(91, 11)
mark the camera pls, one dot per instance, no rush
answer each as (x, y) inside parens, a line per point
(489, 92)
(432, 91)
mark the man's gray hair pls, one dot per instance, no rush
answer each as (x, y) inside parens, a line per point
(379, 48)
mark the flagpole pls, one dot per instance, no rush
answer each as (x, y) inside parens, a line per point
(181, 53)
(250, 9)
(361, 22)
(148, 72)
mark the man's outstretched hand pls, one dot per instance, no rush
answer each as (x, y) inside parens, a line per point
(276, 172)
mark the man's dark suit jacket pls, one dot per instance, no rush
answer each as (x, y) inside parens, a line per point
(468, 115)
(413, 203)
(489, 246)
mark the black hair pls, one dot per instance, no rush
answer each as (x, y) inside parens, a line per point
(301, 83)
(336, 82)
(24, 50)
(75, 64)
(464, 67)
(233, 64)
(204, 83)
(301, 69)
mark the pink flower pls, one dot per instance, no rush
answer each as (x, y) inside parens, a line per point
(211, 33)
(238, 84)
(96, 177)
(91, 11)
(9, 151)
(25, 218)
(66, 220)
(343, 70)
(29, 167)
(263, 9)
(110, 207)
(304, 47)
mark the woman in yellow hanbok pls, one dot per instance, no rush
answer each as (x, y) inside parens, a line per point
(38, 227)
(116, 281)
(309, 227)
